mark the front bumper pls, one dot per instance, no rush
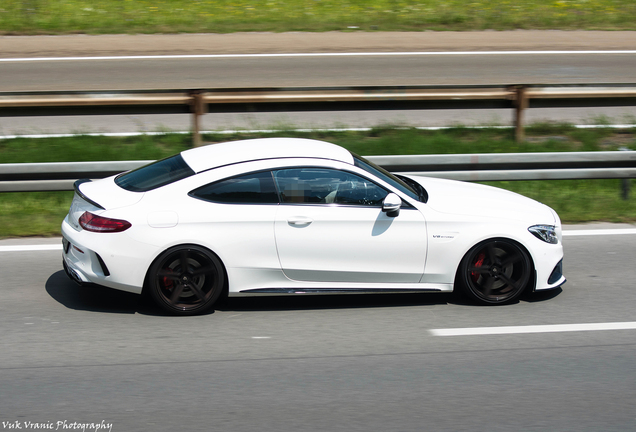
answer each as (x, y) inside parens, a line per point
(554, 280)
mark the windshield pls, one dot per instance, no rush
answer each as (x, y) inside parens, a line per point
(155, 175)
(394, 181)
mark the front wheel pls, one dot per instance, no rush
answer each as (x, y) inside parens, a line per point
(495, 272)
(186, 280)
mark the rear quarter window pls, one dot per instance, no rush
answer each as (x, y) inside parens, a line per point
(253, 188)
(155, 175)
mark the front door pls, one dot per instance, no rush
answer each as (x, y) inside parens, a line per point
(330, 228)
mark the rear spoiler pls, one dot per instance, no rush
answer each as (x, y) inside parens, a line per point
(76, 186)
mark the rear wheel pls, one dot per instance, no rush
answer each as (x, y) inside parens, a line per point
(495, 272)
(186, 280)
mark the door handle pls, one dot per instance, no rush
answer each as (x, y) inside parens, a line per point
(299, 221)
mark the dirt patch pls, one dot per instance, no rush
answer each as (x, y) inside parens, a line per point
(617, 140)
(260, 43)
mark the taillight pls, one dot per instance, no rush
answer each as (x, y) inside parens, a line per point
(94, 223)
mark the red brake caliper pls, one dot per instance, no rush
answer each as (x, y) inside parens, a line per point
(167, 282)
(478, 263)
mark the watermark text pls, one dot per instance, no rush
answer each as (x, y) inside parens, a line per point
(60, 425)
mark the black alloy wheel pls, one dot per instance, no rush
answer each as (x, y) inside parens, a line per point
(186, 280)
(495, 272)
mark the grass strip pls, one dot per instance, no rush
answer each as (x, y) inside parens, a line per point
(225, 16)
(40, 213)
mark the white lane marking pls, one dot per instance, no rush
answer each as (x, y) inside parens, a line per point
(575, 233)
(337, 54)
(568, 233)
(261, 337)
(31, 248)
(478, 331)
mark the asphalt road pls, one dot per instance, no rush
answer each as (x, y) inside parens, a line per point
(436, 59)
(435, 69)
(362, 363)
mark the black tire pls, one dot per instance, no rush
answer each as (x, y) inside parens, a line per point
(186, 280)
(495, 272)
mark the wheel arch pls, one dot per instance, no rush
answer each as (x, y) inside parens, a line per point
(533, 272)
(162, 251)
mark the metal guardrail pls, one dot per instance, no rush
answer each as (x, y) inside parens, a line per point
(468, 167)
(515, 166)
(57, 176)
(286, 99)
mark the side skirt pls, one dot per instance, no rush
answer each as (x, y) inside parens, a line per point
(336, 291)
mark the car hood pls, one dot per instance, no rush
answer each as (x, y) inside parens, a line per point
(470, 199)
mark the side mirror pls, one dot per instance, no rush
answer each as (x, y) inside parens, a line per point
(391, 205)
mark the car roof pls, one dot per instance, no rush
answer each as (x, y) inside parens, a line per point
(216, 155)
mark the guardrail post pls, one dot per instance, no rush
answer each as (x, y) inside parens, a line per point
(198, 109)
(626, 182)
(521, 103)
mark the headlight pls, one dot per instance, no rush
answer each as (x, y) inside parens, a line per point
(547, 233)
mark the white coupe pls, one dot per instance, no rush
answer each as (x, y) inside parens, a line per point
(297, 216)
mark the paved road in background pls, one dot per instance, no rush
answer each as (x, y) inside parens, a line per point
(355, 363)
(352, 70)
(439, 59)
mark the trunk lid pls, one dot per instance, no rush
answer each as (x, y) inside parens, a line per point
(98, 196)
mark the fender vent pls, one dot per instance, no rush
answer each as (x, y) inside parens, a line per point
(557, 273)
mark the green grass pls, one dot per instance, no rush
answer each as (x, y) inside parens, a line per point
(224, 16)
(92, 148)
(30, 214)
(578, 201)
(33, 213)
(380, 140)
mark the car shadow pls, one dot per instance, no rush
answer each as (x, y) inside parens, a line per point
(351, 301)
(540, 296)
(96, 298)
(93, 298)
(526, 297)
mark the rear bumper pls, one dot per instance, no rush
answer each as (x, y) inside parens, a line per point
(75, 276)
(87, 260)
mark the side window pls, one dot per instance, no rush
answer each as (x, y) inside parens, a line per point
(327, 186)
(253, 188)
